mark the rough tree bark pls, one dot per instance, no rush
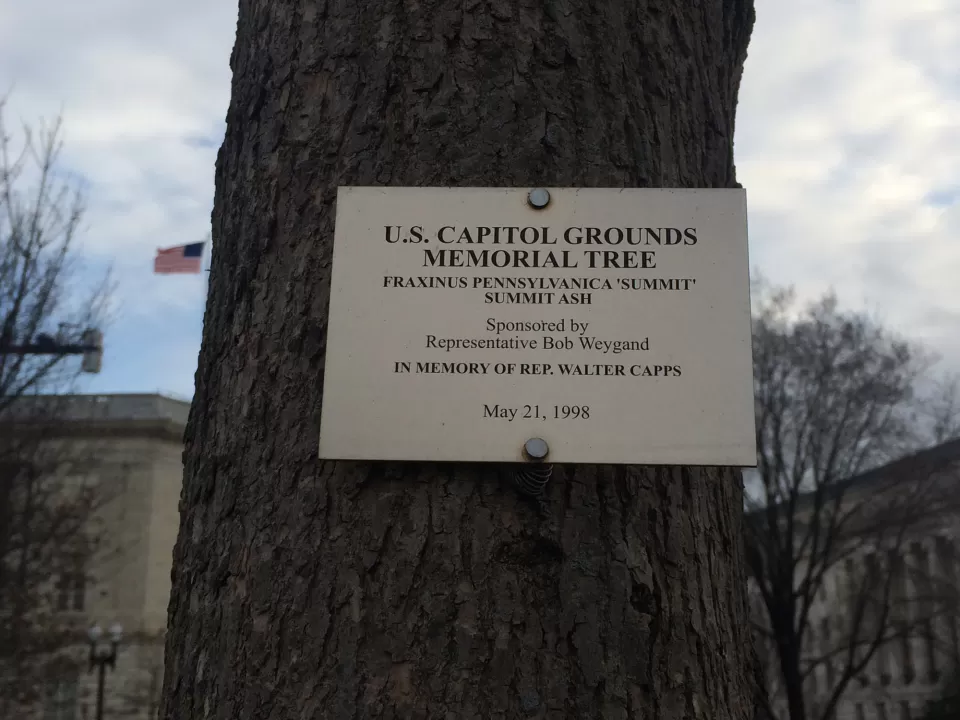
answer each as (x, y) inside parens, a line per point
(316, 589)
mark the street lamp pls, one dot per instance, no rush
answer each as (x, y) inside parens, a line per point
(101, 658)
(90, 347)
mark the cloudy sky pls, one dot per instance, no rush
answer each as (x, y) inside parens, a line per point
(848, 142)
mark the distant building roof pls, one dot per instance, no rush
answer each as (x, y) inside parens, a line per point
(929, 460)
(99, 410)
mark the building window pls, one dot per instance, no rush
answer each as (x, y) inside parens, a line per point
(860, 713)
(71, 591)
(827, 652)
(904, 710)
(899, 597)
(61, 700)
(947, 559)
(881, 711)
(925, 591)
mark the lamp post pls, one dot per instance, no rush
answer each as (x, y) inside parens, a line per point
(90, 346)
(101, 658)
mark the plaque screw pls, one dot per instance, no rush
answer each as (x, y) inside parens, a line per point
(538, 198)
(536, 448)
(531, 478)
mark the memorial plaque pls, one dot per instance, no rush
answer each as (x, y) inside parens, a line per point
(612, 324)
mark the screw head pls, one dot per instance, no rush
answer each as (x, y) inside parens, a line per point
(538, 198)
(536, 448)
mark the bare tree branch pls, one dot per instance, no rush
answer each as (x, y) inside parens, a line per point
(48, 498)
(837, 401)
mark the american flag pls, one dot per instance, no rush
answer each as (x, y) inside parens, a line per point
(180, 259)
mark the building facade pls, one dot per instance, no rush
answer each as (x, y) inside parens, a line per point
(135, 443)
(134, 446)
(912, 600)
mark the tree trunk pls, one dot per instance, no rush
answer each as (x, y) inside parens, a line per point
(792, 675)
(309, 589)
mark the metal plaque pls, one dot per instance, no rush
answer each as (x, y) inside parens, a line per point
(601, 325)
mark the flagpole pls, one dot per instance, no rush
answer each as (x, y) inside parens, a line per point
(206, 272)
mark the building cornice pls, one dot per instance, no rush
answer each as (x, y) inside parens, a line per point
(123, 415)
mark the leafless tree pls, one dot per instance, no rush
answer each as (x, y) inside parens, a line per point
(44, 289)
(941, 409)
(852, 472)
(47, 499)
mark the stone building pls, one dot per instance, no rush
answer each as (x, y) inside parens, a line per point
(923, 571)
(134, 444)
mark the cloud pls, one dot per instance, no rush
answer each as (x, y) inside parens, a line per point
(848, 143)
(143, 89)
